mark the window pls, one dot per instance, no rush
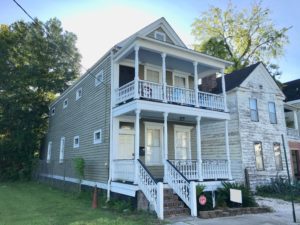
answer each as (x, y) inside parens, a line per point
(62, 150)
(78, 93)
(180, 80)
(258, 156)
(272, 112)
(278, 159)
(98, 136)
(153, 76)
(160, 36)
(53, 111)
(76, 142)
(253, 110)
(99, 78)
(65, 105)
(49, 151)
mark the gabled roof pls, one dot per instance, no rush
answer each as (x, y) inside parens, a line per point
(235, 79)
(160, 23)
(291, 90)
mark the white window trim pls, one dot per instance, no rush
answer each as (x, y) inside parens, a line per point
(65, 105)
(178, 74)
(98, 141)
(275, 113)
(49, 150)
(52, 111)
(62, 149)
(185, 129)
(154, 68)
(160, 33)
(74, 144)
(77, 93)
(100, 73)
(159, 126)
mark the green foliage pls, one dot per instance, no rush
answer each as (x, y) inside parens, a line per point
(79, 165)
(209, 203)
(199, 189)
(34, 67)
(223, 197)
(241, 36)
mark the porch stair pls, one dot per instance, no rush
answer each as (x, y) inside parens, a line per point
(173, 205)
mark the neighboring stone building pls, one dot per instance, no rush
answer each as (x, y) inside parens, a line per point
(291, 90)
(256, 106)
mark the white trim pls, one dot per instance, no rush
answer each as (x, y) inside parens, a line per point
(49, 151)
(100, 75)
(98, 141)
(78, 93)
(159, 126)
(62, 149)
(182, 128)
(293, 102)
(182, 75)
(74, 144)
(65, 103)
(160, 33)
(125, 189)
(52, 111)
(153, 68)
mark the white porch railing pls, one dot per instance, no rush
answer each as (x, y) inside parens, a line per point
(211, 101)
(123, 169)
(125, 92)
(215, 169)
(189, 168)
(150, 90)
(293, 132)
(180, 95)
(152, 190)
(185, 189)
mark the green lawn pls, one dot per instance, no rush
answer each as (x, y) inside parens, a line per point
(32, 203)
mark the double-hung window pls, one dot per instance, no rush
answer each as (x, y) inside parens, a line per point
(253, 110)
(278, 159)
(272, 112)
(49, 151)
(62, 150)
(258, 156)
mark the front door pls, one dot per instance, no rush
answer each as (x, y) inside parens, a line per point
(126, 141)
(182, 142)
(153, 142)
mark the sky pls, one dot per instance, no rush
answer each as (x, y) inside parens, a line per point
(99, 24)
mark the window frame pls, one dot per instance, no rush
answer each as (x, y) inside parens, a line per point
(181, 75)
(74, 144)
(274, 113)
(62, 149)
(262, 156)
(99, 74)
(155, 69)
(281, 166)
(66, 100)
(49, 151)
(256, 110)
(79, 90)
(52, 111)
(98, 141)
(160, 33)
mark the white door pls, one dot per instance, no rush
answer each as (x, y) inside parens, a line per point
(154, 150)
(126, 141)
(182, 143)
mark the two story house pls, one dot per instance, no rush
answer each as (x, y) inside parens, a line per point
(143, 125)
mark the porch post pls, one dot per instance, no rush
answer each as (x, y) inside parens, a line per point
(163, 56)
(227, 150)
(136, 72)
(296, 120)
(224, 91)
(136, 143)
(165, 143)
(196, 83)
(199, 156)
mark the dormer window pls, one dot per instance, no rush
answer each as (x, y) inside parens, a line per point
(160, 36)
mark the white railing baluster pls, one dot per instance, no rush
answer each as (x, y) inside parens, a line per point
(292, 132)
(125, 92)
(215, 169)
(211, 101)
(187, 167)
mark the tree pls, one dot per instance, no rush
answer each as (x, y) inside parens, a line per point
(36, 63)
(243, 37)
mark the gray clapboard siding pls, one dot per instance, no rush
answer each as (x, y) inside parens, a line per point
(81, 118)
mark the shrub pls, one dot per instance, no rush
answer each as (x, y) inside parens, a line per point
(223, 196)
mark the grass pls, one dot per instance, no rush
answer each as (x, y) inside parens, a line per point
(29, 203)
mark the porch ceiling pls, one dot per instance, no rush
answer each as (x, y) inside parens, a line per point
(172, 63)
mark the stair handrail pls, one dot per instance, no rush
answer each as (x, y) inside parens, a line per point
(152, 190)
(184, 188)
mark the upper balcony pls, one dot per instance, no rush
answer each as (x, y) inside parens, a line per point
(291, 117)
(168, 76)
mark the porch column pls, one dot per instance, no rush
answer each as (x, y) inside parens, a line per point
(296, 120)
(196, 83)
(227, 150)
(163, 56)
(136, 72)
(165, 143)
(136, 143)
(224, 91)
(199, 156)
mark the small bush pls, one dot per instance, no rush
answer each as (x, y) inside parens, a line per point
(223, 196)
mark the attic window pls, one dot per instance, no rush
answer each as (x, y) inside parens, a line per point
(160, 36)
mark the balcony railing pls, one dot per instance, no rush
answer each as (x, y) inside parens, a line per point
(215, 169)
(174, 95)
(123, 169)
(293, 132)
